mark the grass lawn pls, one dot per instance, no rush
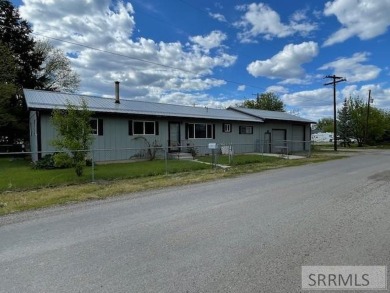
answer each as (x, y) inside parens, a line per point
(22, 188)
(18, 175)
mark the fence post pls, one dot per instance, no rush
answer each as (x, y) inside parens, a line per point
(166, 160)
(93, 166)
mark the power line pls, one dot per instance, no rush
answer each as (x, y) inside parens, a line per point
(335, 80)
(205, 11)
(136, 59)
(115, 54)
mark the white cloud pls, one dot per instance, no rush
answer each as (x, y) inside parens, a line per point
(297, 81)
(198, 100)
(363, 18)
(318, 103)
(277, 89)
(108, 26)
(312, 104)
(218, 16)
(241, 88)
(92, 23)
(210, 41)
(299, 15)
(260, 19)
(286, 64)
(352, 68)
(379, 94)
(303, 99)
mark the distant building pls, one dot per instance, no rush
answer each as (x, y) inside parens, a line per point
(322, 137)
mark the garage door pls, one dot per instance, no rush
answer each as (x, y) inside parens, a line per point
(278, 140)
(298, 137)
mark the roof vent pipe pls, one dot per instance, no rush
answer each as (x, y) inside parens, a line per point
(117, 101)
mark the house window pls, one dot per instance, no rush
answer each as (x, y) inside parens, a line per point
(200, 130)
(226, 127)
(143, 127)
(96, 126)
(138, 127)
(149, 127)
(246, 130)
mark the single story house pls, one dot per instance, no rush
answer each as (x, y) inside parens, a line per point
(116, 124)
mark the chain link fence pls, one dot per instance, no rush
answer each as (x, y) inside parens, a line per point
(111, 164)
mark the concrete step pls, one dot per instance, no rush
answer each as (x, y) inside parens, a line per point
(180, 156)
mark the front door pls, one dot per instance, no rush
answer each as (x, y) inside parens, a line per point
(174, 136)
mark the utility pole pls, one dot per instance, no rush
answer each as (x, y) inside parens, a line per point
(336, 79)
(369, 101)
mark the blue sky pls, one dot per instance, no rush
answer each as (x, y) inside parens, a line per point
(218, 53)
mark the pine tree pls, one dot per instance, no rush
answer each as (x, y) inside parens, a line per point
(344, 130)
(15, 34)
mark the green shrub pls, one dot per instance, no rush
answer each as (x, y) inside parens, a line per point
(46, 162)
(62, 160)
(79, 168)
(54, 161)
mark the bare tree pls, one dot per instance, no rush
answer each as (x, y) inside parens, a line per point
(56, 73)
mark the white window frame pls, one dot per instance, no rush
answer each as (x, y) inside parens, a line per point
(227, 127)
(97, 126)
(246, 127)
(208, 135)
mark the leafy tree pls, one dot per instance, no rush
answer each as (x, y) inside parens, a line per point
(56, 73)
(325, 124)
(8, 118)
(377, 126)
(15, 41)
(7, 65)
(386, 135)
(357, 111)
(15, 34)
(74, 133)
(266, 101)
(344, 128)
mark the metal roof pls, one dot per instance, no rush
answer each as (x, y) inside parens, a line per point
(38, 99)
(270, 115)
